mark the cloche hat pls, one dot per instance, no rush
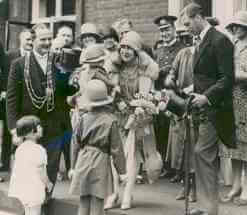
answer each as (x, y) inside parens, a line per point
(240, 18)
(93, 54)
(133, 40)
(96, 94)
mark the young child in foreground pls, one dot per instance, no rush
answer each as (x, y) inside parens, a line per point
(29, 179)
(97, 137)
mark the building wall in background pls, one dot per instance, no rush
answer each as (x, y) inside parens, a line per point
(141, 12)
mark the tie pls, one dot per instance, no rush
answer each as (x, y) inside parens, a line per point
(196, 43)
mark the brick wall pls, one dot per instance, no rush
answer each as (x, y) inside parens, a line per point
(141, 12)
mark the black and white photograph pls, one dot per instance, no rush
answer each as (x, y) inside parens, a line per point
(123, 107)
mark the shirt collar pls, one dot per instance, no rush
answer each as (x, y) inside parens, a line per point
(22, 52)
(40, 56)
(204, 31)
(170, 43)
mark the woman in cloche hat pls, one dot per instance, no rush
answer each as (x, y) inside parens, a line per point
(97, 138)
(137, 75)
(89, 35)
(238, 27)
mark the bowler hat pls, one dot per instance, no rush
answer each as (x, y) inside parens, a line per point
(96, 94)
(165, 21)
(240, 18)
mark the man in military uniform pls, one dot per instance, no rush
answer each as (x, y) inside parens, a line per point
(165, 54)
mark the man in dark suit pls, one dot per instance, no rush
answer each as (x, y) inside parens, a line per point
(36, 87)
(212, 103)
(26, 40)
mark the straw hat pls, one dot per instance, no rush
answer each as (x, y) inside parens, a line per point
(240, 18)
(96, 94)
(93, 54)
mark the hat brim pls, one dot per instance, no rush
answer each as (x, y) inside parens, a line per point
(165, 26)
(232, 23)
(88, 104)
(94, 60)
(171, 18)
(81, 36)
(109, 100)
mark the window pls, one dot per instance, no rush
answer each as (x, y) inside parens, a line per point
(45, 9)
(54, 13)
(240, 5)
(50, 8)
(68, 7)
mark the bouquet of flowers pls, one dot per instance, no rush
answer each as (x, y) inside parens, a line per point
(140, 110)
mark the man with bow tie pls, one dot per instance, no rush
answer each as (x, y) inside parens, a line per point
(213, 79)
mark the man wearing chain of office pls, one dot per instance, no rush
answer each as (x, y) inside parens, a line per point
(36, 87)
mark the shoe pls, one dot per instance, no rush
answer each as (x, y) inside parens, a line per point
(192, 197)
(140, 180)
(227, 198)
(175, 179)
(197, 212)
(2, 180)
(60, 176)
(240, 202)
(111, 202)
(166, 174)
(181, 194)
(126, 205)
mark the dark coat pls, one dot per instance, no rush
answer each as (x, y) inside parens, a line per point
(11, 57)
(214, 77)
(19, 103)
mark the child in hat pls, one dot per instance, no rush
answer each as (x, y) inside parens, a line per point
(97, 137)
(29, 179)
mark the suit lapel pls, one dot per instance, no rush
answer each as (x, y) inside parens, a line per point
(205, 42)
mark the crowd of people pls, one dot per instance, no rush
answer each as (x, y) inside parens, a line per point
(116, 108)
